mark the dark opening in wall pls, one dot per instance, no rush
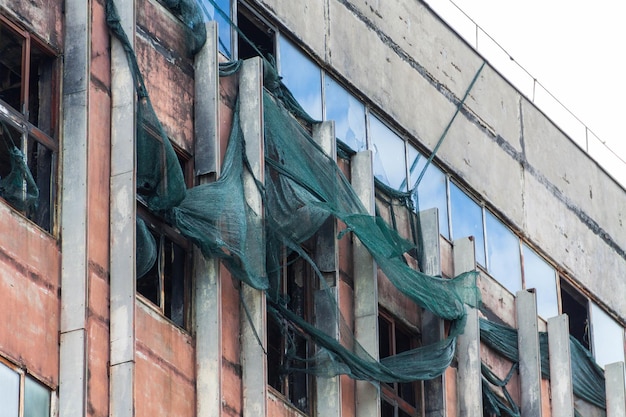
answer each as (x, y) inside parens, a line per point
(257, 31)
(575, 305)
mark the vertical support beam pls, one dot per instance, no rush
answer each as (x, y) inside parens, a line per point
(254, 364)
(207, 306)
(74, 264)
(469, 378)
(432, 326)
(326, 303)
(123, 222)
(529, 356)
(561, 386)
(615, 390)
(365, 286)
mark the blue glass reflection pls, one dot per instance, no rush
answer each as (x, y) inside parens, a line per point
(348, 114)
(608, 337)
(431, 191)
(389, 157)
(467, 220)
(503, 254)
(303, 78)
(36, 399)
(223, 26)
(10, 391)
(538, 274)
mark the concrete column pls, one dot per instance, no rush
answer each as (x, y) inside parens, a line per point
(561, 386)
(123, 222)
(365, 286)
(529, 356)
(74, 265)
(469, 378)
(432, 326)
(253, 361)
(328, 390)
(615, 390)
(207, 308)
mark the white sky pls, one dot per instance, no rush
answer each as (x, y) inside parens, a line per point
(576, 50)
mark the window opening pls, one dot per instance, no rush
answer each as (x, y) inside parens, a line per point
(397, 399)
(297, 287)
(27, 124)
(467, 220)
(575, 305)
(503, 253)
(608, 337)
(540, 275)
(257, 31)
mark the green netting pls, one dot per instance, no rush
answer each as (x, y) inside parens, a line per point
(303, 188)
(18, 187)
(587, 376)
(191, 15)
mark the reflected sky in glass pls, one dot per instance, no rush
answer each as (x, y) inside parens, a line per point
(467, 220)
(223, 27)
(10, 391)
(503, 257)
(431, 191)
(348, 114)
(540, 275)
(608, 337)
(303, 78)
(389, 159)
(36, 399)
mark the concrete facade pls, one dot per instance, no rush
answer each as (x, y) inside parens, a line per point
(75, 323)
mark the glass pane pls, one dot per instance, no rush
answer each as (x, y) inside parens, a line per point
(9, 391)
(11, 68)
(41, 168)
(389, 159)
(36, 399)
(540, 275)
(467, 220)
(431, 191)
(223, 26)
(608, 337)
(303, 78)
(503, 257)
(348, 114)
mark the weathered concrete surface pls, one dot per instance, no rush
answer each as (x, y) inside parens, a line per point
(43, 17)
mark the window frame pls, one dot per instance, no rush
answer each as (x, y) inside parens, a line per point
(390, 393)
(23, 374)
(19, 118)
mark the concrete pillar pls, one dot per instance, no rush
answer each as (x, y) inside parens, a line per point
(529, 356)
(615, 390)
(74, 265)
(254, 364)
(123, 221)
(469, 378)
(207, 308)
(365, 286)
(432, 326)
(326, 303)
(561, 386)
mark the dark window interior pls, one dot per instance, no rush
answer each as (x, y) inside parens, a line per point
(398, 399)
(257, 32)
(297, 287)
(574, 304)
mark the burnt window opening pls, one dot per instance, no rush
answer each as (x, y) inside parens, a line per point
(576, 306)
(167, 283)
(28, 124)
(257, 31)
(398, 399)
(297, 286)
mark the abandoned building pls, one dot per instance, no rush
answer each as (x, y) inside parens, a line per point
(293, 208)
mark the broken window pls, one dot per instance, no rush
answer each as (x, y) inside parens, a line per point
(297, 288)
(21, 394)
(259, 33)
(164, 260)
(576, 306)
(398, 399)
(28, 124)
